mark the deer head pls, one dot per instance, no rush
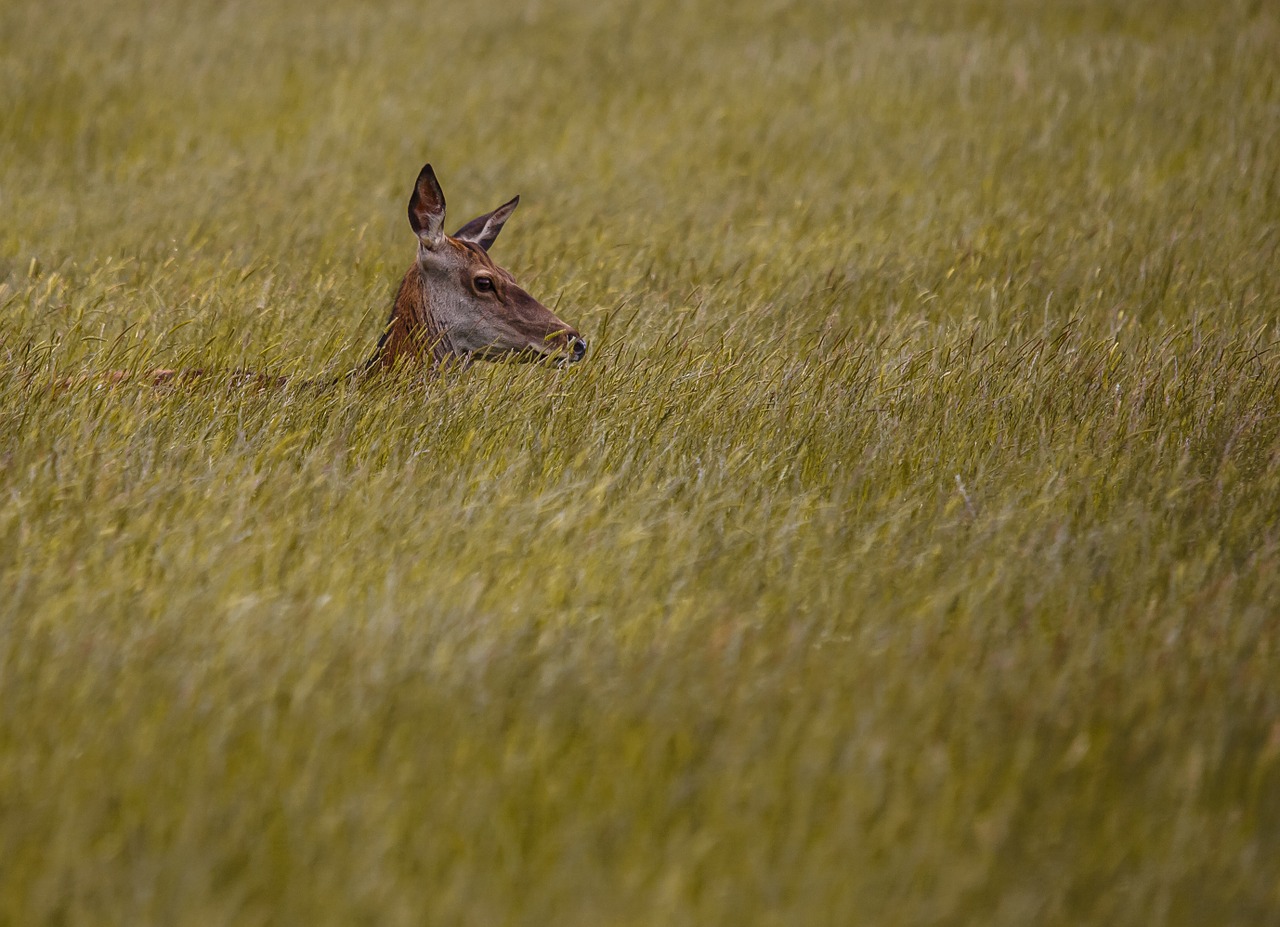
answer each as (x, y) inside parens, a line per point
(456, 303)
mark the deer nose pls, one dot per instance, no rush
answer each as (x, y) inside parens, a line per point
(578, 348)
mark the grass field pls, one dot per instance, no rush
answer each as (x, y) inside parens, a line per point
(906, 551)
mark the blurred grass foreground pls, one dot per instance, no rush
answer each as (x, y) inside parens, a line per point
(905, 552)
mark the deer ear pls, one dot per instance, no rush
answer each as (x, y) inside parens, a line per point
(426, 208)
(483, 230)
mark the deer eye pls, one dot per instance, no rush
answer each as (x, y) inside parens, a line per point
(483, 284)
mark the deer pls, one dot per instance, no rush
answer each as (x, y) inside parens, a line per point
(454, 306)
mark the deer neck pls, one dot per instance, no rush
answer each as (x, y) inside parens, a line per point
(412, 334)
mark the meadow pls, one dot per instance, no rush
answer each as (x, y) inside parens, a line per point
(905, 551)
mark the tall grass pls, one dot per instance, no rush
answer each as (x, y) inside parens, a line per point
(906, 550)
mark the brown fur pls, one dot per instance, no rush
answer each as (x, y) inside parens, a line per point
(411, 334)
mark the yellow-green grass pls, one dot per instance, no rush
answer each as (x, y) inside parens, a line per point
(905, 551)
